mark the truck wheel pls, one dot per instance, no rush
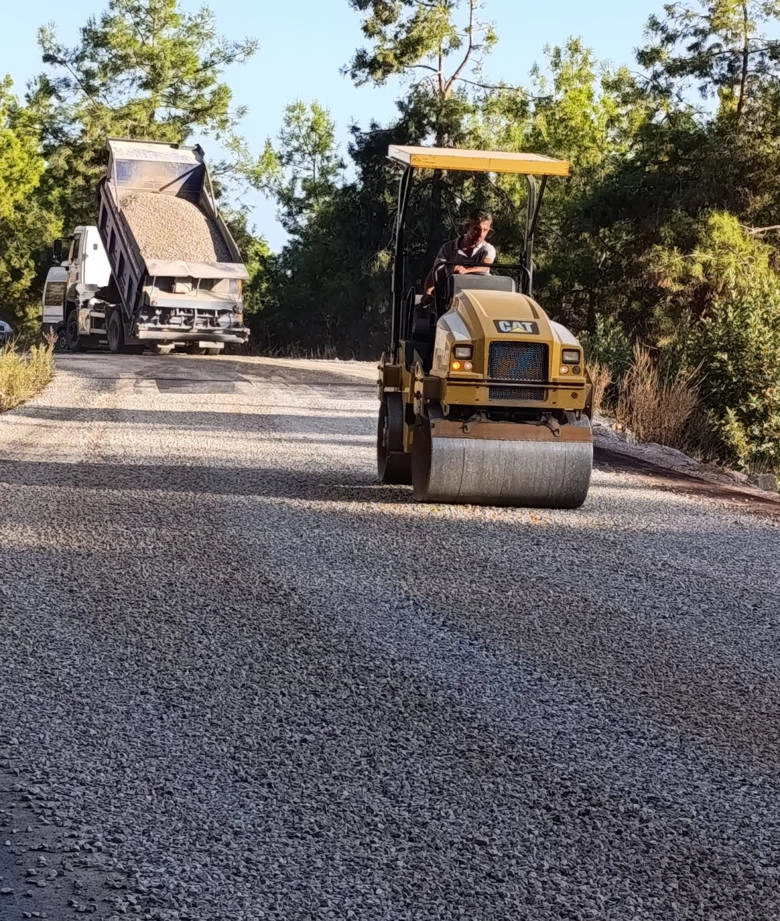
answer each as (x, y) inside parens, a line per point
(114, 331)
(72, 332)
(61, 340)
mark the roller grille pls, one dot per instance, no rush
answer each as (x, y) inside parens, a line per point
(517, 361)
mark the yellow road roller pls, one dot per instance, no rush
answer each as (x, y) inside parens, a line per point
(483, 398)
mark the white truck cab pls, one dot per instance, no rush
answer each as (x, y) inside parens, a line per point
(70, 287)
(87, 262)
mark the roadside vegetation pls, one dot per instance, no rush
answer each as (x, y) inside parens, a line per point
(662, 250)
(24, 372)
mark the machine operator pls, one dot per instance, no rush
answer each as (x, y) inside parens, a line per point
(469, 254)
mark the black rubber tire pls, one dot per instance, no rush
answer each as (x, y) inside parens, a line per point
(393, 466)
(72, 331)
(115, 333)
(61, 340)
(421, 460)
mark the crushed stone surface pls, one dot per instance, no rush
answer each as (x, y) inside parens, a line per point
(241, 681)
(173, 228)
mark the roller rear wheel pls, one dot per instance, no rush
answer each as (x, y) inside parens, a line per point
(393, 466)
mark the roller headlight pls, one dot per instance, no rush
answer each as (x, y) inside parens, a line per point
(571, 356)
(463, 351)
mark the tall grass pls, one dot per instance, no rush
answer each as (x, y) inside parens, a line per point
(655, 406)
(600, 378)
(23, 374)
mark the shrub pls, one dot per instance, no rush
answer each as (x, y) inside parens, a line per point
(721, 312)
(654, 405)
(608, 345)
(738, 344)
(22, 375)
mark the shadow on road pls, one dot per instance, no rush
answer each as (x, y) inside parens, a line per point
(283, 423)
(181, 478)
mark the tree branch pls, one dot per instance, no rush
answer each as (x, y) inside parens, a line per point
(755, 231)
(489, 86)
(469, 51)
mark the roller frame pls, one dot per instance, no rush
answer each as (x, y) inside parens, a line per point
(483, 461)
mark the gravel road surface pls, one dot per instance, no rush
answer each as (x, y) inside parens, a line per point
(239, 681)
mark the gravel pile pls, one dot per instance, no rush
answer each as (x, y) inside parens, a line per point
(168, 227)
(242, 682)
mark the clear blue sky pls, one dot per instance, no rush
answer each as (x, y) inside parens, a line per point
(304, 43)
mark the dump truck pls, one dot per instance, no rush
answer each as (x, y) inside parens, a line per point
(160, 268)
(484, 398)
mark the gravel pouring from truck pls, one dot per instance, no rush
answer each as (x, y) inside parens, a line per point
(175, 266)
(174, 273)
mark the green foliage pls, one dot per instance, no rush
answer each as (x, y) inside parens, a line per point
(720, 310)
(305, 175)
(582, 111)
(608, 345)
(414, 34)
(738, 341)
(718, 44)
(258, 260)
(328, 291)
(591, 115)
(142, 69)
(150, 68)
(26, 224)
(439, 47)
(721, 259)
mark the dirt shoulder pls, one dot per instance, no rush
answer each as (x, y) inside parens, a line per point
(745, 498)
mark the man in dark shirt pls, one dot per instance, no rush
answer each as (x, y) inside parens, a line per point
(470, 254)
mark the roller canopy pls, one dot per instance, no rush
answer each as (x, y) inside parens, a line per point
(477, 161)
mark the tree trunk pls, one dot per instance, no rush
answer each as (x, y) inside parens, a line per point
(745, 62)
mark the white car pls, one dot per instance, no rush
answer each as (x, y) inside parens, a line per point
(6, 333)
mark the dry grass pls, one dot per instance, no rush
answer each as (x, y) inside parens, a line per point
(297, 351)
(653, 407)
(600, 378)
(23, 374)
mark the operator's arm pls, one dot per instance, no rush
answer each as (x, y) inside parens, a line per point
(483, 268)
